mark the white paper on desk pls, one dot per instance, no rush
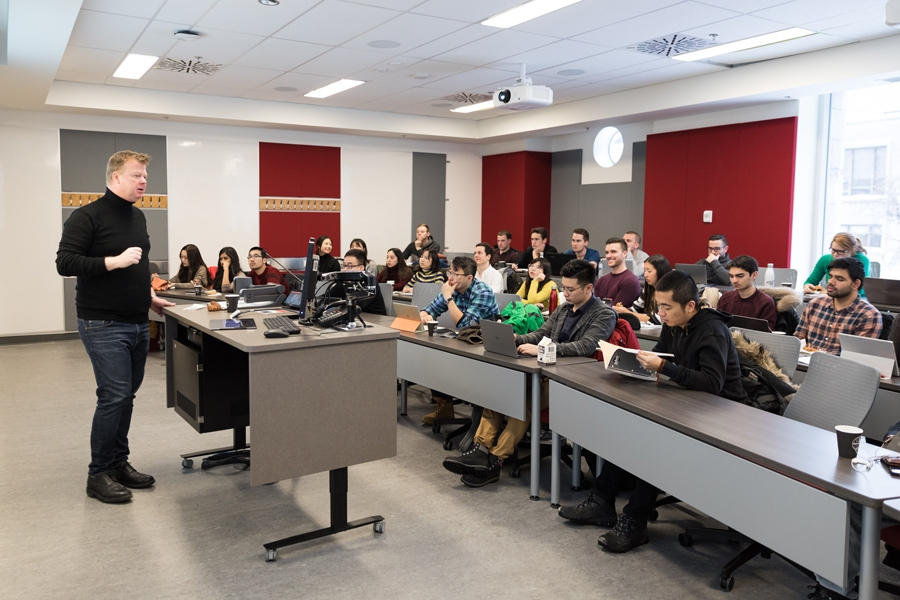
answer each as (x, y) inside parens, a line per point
(195, 307)
(649, 325)
(624, 361)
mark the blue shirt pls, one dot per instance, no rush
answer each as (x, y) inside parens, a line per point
(590, 255)
(476, 303)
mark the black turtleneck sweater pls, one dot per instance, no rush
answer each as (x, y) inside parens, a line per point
(106, 228)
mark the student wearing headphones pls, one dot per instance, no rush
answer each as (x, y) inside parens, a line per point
(261, 272)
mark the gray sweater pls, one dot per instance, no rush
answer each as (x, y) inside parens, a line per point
(595, 325)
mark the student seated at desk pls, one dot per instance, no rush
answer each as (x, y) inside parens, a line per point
(645, 308)
(355, 260)
(192, 271)
(327, 263)
(841, 311)
(429, 270)
(485, 272)
(229, 267)
(843, 245)
(716, 271)
(745, 299)
(638, 256)
(360, 244)
(537, 287)
(576, 327)
(620, 285)
(579, 249)
(539, 245)
(423, 241)
(262, 273)
(503, 251)
(704, 360)
(395, 270)
(468, 301)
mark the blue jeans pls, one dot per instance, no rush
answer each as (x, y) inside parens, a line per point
(118, 353)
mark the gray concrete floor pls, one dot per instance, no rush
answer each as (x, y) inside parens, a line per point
(199, 534)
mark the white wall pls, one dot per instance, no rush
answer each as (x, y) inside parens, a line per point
(809, 193)
(213, 196)
(376, 199)
(30, 228)
(463, 213)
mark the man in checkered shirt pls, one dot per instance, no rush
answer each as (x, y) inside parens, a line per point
(841, 311)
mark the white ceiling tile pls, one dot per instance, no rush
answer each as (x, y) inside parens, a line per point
(233, 76)
(217, 91)
(454, 40)
(806, 11)
(497, 47)
(159, 76)
(222, 47)
(409, 30)
(798, 46)
(482, 81)
(355, 96)
(585, 16)
(330, 23)
(586, 91)
(473, 11)
(245, 16)
(134, 8)
(90, 60)
(404, 75)
(340, 62)
(281, 55)
(550, 55)
(595, 66)
(303, 82)
(687, 15)
(745, 6)
(678, 70)
(187, 11)
(106, 31)
(413, 96)
(865, 30)
(80, 76)
(392, 4)
(651, 64)
(738, 28)
(119, 82)
(159, 38)
(168, 86)
(868, 14)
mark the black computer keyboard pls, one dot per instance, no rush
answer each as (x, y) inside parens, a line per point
(283, 323)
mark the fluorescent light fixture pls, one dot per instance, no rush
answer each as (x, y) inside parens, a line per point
(526, 12)
(754, 42)
(134, 66)
(334, 88)
(474, 107)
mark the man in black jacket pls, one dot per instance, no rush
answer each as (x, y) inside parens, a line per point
(106, 245)
(704, 360)
(716, 261)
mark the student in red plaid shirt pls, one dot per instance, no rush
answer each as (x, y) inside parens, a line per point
(841, 311)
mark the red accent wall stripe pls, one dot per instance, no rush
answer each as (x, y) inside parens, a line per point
(744, 173)
(515, 195)
(296, 171)
(287, 233)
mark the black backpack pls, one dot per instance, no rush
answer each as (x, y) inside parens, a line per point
(764, 389)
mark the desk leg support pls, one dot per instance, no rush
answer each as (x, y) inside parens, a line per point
(555, 459)
(403, 385)
(238, 453)
(338, 486)
(535, 435)
(576, 467)
(868, 553)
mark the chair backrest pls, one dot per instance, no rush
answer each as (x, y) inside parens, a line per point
(386, 294)
(874, 269)
(212, 272)
(782, 276)
(425, 293)
(504, 299)
(835, 391)
(784, 348)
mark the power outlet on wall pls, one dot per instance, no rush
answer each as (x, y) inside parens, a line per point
(707, 216)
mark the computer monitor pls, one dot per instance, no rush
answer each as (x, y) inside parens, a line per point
(310, 277)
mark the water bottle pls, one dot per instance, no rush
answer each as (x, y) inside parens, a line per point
(554, 300)
(769, 276)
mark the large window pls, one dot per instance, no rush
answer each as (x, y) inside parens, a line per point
(863, 187)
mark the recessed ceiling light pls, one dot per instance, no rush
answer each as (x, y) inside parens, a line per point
(570, 72)
(285, 88)
(186, 35)
(442, 105)
(334, 88)
(383, 44)
(526, 12)
(269, 2)
(422, 76)
(134, 66)
(474, 107)
(754, 42)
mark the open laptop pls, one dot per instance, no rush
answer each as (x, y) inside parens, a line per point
(500, 338)
(882, 291)
(408, 317)
(558, 261)
(870, 351)
(697, 272)
(749, 323)
(604, 266)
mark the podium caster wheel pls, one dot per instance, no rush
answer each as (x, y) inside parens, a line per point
(378, 527)
(187, 463)
(685, 540)
(726, 583)
(448, 445)
(435, 429)
(270, 555)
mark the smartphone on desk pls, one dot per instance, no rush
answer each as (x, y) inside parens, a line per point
(892, 464)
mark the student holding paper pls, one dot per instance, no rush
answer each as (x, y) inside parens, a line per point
(705, 360)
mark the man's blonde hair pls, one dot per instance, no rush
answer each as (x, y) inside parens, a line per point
(117, 161)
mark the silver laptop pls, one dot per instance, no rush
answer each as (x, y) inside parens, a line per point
(604, 267)
(870, 351)
(500, 338)
(697, 272)
(409, 311)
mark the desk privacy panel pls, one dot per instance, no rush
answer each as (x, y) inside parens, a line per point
(300, 191)
(744, 173)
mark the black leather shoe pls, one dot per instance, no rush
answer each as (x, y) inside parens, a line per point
(125, 474)
(593, 511)
(627, 535)
(103, 488)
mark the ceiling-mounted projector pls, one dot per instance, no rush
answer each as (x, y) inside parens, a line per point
(523, 95)
(892, 13)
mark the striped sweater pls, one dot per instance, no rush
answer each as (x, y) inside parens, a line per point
(427, 277)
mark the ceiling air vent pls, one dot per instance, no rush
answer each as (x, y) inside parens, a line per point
(464, 98)
(178, 65)
(671, 45)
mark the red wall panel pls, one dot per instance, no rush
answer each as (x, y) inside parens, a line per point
(515, 195)
(287, 233)
(295, 171)
(744, 173)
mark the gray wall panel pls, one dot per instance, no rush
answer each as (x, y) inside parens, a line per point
(158, 228)
(565, 182)
(429, 193)
(83, 157)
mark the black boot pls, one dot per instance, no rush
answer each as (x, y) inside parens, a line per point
(105, 489)
(125, 474)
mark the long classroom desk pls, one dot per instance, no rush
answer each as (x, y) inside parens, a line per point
(776, 480)
(466, 371)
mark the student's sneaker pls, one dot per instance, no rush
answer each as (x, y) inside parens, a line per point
(593, 511)
(476, 461)
(627, 535)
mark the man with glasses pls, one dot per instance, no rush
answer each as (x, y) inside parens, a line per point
(716, 262)
(355, 260)
(575, 327)
(262, 273)
(468, 301)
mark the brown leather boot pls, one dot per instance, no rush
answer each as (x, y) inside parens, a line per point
(443, 409)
